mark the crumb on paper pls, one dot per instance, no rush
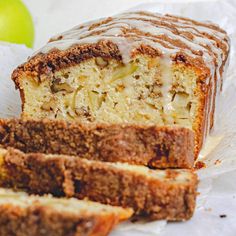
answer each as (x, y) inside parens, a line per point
(217, 162)
(199, 165)
(223, 216)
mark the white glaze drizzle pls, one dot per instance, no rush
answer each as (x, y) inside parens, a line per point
(166, 76)
(112, 30)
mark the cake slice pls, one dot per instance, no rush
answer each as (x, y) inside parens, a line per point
(133, 68)
(154, 194)
(24, 215)
(159, 147)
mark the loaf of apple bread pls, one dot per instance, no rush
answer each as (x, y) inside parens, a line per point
(153, 146)
(154, 194)
(133, 68)
(24, 215)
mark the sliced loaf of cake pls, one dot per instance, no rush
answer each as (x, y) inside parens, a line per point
(23, 215)
(155, 194)
(153, 146)
(133, 68)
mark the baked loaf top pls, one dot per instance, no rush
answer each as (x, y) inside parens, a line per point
(202, 44)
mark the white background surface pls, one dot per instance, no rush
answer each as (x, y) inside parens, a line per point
(53, 16)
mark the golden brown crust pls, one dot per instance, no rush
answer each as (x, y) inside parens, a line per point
(153, 146)
(155, 198)
(41, 221)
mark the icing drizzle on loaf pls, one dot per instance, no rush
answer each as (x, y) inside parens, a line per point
(167, 34)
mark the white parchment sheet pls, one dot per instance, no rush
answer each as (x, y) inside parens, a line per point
(218, 180)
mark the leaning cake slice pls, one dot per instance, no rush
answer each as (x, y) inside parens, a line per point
(135, 68)
(153, 146)
(154, 194)
(21, 214)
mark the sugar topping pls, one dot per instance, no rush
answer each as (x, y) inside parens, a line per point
(120, 30)
(129, 30)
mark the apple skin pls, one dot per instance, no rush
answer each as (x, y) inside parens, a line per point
(16, 24)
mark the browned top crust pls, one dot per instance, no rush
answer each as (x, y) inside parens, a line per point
(153, 146)
(186, 41)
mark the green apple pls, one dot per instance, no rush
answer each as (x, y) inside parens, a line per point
(16, 25)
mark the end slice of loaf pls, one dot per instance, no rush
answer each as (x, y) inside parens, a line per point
(24, 215)
(155, 194)
(153, 146)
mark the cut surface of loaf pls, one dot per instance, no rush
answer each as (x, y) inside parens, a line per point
(135, 68)
(154, 194)
(24, 215)
(153, 146)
